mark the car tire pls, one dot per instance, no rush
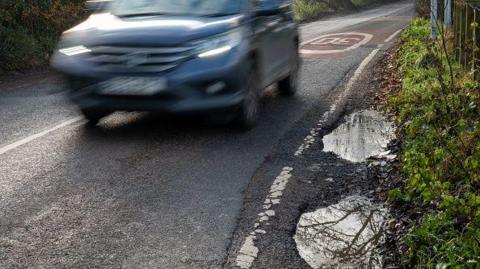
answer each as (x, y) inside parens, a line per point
(289, 85)
(249, 111)
(94, 115)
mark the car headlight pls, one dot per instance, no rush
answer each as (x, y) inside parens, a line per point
(218, 44)
(75, 50)
(69, 47)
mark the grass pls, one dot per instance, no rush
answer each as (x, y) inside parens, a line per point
(438, 111)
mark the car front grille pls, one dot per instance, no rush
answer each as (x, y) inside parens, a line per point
(116, 59)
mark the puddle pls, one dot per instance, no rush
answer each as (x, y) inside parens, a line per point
(364, 134)
(344, 235)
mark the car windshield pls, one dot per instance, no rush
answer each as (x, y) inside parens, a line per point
(125, 8)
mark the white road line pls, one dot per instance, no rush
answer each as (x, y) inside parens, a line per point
(29, 139)
(248, 252)
(314, 132)
(391, 37)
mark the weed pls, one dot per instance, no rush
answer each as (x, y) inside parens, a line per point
(438, 108)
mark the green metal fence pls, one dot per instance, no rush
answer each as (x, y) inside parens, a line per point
(466, 20)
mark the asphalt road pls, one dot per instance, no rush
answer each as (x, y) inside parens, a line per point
(142, 191)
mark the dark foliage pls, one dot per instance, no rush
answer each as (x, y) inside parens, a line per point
(29, 30)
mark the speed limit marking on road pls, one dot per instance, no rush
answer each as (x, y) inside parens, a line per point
(335, 43)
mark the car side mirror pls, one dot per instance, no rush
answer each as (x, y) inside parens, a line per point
(96, 5)
(268, 7)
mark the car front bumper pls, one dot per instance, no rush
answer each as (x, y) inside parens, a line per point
(188, 91)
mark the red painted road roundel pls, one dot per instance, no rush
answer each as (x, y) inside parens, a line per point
(335, 43)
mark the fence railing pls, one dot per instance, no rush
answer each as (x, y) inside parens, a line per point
(466, 20)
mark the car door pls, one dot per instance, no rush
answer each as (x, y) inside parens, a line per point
(267, 26)
(286, 45)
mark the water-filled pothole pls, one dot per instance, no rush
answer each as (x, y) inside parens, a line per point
(344, 235)
(364, 134)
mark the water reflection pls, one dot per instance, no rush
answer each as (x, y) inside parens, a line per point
(343, 235)
(364, 134)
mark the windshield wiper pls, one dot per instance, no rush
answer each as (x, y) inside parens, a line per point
(218, 14)
(144, 14)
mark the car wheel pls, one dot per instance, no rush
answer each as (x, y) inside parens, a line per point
(250, 108)
(289, 85)
(94, 115)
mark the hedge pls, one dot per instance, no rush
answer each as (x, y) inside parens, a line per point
(29, 30)
(438, 111)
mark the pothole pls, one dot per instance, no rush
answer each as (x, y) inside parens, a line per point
(344, 235)
(364, 134)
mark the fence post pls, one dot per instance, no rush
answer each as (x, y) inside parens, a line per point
(456, 27)
(434, 16)
(467, 39)
(448, 13)
(474, 42)
(466, 26)
(460, 23)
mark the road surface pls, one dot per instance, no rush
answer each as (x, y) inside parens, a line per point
(142, 191)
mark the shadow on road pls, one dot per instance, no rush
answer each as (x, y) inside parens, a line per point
(143, 125)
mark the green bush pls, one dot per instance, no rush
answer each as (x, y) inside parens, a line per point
(310, 9)
(29, 30)
(19, 48)
(438, 109)
(305, 9)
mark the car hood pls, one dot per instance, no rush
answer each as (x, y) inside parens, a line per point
(101, 29)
